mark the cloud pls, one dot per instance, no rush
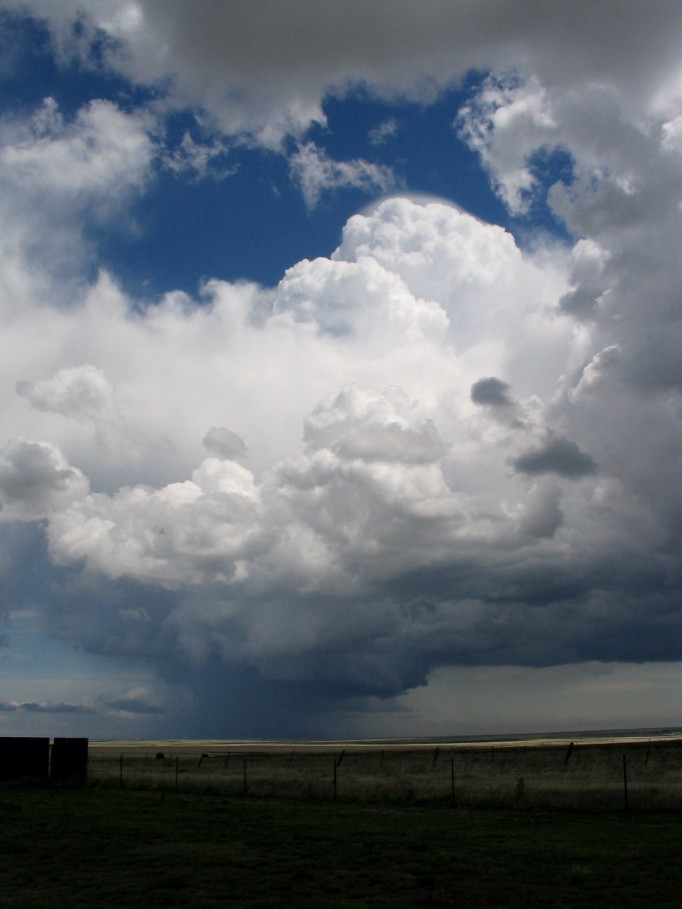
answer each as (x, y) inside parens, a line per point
(359, 423)
(199, 158)
(378, 531)
(267, 74)
(224, 443)
(671, 135)
(559, 456)
(83, 394)
(101, 150)
(33, 707)
(136, 706)
(542, 515)
(35, 480)
(209, 524)
(62, 178)
(589, 291)
(348, 491)
(491, 392)
(316, 173)
(384, 131)
(506, 123)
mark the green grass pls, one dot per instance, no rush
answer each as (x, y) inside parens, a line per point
(118, 848)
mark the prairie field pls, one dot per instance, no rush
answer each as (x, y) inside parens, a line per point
(633, 774)
(345, 825)
(122, 849)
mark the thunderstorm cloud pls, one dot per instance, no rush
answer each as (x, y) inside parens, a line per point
(434, 446)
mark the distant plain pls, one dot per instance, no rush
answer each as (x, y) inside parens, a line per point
(629, 770)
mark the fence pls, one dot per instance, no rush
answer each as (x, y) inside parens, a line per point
(642, 776)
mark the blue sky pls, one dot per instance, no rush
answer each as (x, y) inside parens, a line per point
(340, 371)
(254, 223)
(244, 218)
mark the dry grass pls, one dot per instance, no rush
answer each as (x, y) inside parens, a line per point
(587, 776)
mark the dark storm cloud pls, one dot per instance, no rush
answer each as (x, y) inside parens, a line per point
(121, 618)
(268, 70)
(33, 707)
(559, 456)
(491, 392)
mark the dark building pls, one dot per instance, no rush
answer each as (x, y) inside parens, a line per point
(24, 759)
(28, 760)
(69, 761)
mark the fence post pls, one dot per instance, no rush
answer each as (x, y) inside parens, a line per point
(177, 762)
(120, 771)
(334, 764)
(244, 776)
(452, 780)
(625, 784)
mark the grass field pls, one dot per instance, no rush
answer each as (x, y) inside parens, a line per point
(637, 774)
(119, 848)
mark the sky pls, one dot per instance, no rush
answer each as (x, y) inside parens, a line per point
(340, 367)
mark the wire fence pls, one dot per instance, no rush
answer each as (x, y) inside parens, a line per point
(645, 776)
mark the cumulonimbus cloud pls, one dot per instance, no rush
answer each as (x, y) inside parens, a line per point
(394, 490)
(428, 447)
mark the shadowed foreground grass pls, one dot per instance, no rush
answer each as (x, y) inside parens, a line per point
(111, 848)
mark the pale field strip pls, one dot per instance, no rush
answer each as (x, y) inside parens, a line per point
(141, 747)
